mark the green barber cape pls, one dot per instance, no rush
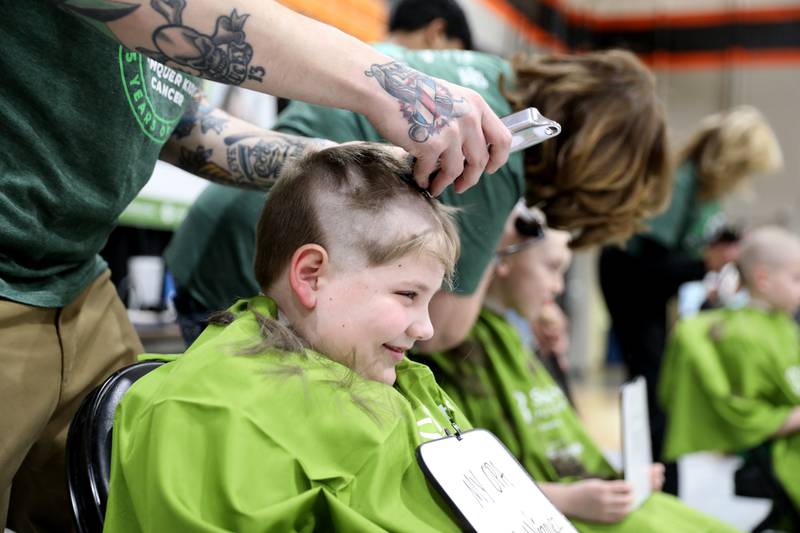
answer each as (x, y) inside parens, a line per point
(501, 386)
(734, 374)
(220, 441)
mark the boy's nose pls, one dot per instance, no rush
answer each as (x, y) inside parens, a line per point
(421, 329)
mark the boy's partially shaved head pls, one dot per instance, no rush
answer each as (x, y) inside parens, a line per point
(770, 246)
(353, 201)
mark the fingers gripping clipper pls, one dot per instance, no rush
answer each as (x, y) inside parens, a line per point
(528, 128)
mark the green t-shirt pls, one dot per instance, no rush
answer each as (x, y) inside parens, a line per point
(216, 440)
(688, 223)
(735, 373)
(501, 386)
(83, 121)
(485, 206)
(211, 254)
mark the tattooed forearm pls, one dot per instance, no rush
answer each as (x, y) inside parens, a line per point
(426, 104)
(219, 51)
(222, 56)
(198, 161)
(253, 161)
(198, 112)
(262, 160)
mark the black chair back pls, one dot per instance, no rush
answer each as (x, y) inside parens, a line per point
(89, 447)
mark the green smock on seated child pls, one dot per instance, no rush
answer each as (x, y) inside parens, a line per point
(501, 386)
(219, 441)
(731, 379)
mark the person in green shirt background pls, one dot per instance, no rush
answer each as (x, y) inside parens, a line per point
(724, 152)
(731, 377)
(300, 411)
(503, 387)
(596, 189)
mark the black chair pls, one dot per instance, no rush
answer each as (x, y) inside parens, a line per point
(756, 479)
(89, 447)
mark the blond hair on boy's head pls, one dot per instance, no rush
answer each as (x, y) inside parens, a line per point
(358, 202)
(610, 166)
(729, 147)
(772, 247)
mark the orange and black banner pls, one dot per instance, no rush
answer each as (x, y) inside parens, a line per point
(762, 35)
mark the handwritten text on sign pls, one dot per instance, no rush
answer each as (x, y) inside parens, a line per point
(488, 486)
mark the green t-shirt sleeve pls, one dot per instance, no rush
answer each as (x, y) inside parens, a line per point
(338, 125)
(211, 253)
(484, 210)
(668, 227)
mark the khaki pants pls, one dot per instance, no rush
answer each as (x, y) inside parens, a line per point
(50, 359)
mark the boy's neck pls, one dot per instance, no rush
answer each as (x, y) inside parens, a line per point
(282, 319)
(286, 314)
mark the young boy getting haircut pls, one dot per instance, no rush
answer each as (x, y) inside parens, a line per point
(501, 386)
(298, 410)
(731, 377)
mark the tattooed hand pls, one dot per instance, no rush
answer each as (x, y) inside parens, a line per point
(441, 124)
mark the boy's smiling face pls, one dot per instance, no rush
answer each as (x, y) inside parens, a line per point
(367, 317)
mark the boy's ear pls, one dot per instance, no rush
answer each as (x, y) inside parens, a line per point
(309, 263)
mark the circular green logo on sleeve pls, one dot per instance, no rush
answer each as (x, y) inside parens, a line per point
(157, 94)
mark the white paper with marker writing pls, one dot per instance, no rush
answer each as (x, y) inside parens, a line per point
(488, 486)
(637, 454)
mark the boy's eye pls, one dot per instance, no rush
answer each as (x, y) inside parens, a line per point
(407, 294)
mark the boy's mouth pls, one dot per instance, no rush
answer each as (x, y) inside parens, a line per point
(396, 352)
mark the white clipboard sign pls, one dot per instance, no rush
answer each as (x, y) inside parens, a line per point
(637, 453)
(486, 486)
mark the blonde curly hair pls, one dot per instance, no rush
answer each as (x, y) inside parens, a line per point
(728, 148)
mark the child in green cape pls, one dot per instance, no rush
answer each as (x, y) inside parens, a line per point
(731, 377)
(501, 386)
(298, 410)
